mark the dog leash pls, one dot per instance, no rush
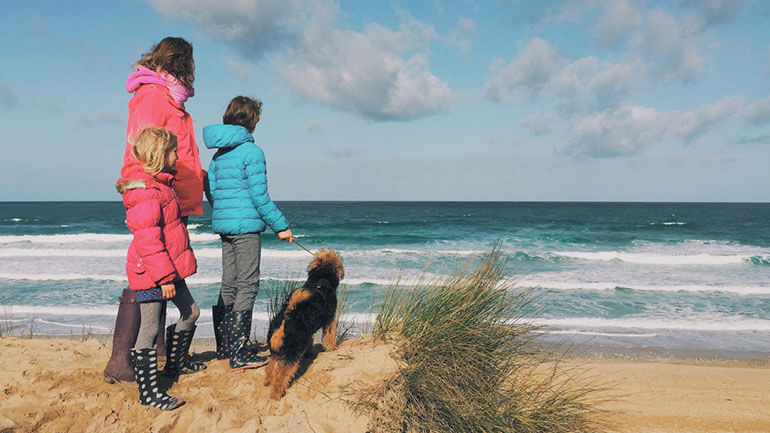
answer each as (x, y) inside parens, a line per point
(300, 245)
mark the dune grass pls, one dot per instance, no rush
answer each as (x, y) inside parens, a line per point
(466, 362)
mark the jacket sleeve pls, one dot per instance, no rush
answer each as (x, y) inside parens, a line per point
(209, 183)
(255, 173)
(144, 221)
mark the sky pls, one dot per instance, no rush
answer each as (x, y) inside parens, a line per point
(514, 100)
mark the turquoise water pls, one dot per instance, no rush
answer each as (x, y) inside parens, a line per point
(679, 275)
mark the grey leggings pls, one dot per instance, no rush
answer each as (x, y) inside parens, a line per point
(240, 270)
(150, 312)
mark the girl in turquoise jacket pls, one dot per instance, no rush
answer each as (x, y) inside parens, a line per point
(237, 190)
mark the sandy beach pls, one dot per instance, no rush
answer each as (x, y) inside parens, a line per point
(56, 385)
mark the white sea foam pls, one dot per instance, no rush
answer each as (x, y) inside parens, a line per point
(576, 285)
(69, 325)
(109, 311)
(599, 334)
(656, 259)
(60, 277)
(66, 238)
(715, 324)
(79, 238)
(61, 252)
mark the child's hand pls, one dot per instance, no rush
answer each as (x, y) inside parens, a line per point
(286, 235)
(169, 290)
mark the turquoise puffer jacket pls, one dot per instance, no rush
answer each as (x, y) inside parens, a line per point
(237, 183)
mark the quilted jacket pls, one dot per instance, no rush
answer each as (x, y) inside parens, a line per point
(237, 183)
(160, 251)
(153, 106)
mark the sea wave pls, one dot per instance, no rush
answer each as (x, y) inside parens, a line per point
(192, 280)
(656, 259)
(79, 238)
(13, 312)
(602, 286)
(715, 324)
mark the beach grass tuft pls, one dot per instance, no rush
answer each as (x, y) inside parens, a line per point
(466, 363)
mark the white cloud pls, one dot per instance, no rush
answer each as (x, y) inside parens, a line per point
(620, 19)
(255, 27)
(758, 113)
(8, 98)
(622, 132)
(586, 83)
(370, 73)
(713, 12)
(527, 74)
(614, 83)
(539, 123)
(460, 35)
(379, 73)
(692, 124)
(670, 45)
(629, 129)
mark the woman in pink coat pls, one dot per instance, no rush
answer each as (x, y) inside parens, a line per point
(159, 259)
(161, 84)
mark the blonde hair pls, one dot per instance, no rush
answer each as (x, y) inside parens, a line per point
(152, 146)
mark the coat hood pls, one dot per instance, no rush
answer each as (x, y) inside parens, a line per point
(223, 136)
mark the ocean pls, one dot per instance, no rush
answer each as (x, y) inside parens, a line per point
(666, 275)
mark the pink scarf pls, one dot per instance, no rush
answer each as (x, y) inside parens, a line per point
(142, 75)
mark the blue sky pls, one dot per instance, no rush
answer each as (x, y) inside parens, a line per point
(430, 100)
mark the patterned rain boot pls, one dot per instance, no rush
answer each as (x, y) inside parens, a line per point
(221, 333)
(145, 365)
(178, 360)
(242, 356)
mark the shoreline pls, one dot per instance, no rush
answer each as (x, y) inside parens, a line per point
(585, 351)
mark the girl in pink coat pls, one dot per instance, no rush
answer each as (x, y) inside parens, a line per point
(159, 259)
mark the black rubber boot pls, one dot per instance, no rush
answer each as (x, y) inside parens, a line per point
(221, 334)
(145, 366)
(242, 357)
(178, 360)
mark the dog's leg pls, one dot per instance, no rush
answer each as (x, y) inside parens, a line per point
(284, 373)
(269, 371)
(330, 336)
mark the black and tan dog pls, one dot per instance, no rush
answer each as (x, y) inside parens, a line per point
(306, 310)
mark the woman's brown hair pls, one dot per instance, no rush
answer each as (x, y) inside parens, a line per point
(243, 111)
(174, 56)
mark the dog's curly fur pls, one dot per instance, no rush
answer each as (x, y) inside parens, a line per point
(306, 310)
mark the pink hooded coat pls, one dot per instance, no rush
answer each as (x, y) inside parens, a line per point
(153, 105)
(160, 252)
